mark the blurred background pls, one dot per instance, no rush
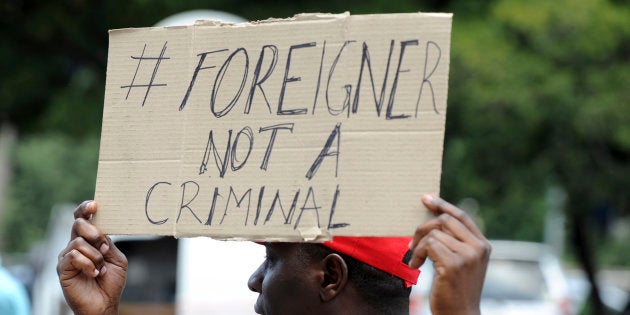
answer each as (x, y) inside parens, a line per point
(537, 143)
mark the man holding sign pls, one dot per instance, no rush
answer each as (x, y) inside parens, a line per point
(301, 278)
(313, 128)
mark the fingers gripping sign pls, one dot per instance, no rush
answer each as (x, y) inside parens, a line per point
(92, 271)
(460, 254)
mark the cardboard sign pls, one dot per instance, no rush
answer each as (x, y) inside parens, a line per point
(295, 129)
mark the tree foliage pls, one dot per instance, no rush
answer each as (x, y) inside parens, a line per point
(48, 169)
(537, 98)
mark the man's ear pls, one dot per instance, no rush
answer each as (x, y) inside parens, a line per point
(335, 277)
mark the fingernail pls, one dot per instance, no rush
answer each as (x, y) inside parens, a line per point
(104, 248)
(103, 270)
(409, 245)
(428, 198)
(96, 272)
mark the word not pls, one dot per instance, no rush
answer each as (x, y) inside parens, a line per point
(230, 155)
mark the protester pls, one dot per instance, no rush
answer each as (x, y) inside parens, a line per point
(350, 275)
(13, 297)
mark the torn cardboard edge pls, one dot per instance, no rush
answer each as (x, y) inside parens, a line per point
(299, 17)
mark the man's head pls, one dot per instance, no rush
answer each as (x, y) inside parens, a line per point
(313, 278)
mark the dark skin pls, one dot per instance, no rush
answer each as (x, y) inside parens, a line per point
(323, 285)
(92, 271)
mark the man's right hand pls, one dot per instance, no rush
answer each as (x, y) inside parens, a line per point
(92, 271)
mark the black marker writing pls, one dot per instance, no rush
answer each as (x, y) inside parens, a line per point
(158, 60)
(365, 60)
(319, 77)
(258, 83)
(287, 79)
(186, 205)
(202, 58)
(234, 157)
(231, 155)
(272, 139)
(236, 67)
(310, 199)
(332, 225)
(288, 218)
(347, 87)
(392, 95)
(215, 196)
(425, 78)
(240, 205)
(211, 148)
(261, 193)
(334, 135)
(146, 204)
(248, 194)
(219, 80)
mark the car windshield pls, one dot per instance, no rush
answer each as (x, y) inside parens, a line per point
(514, 280)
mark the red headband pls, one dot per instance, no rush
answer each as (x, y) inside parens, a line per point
(383, 253)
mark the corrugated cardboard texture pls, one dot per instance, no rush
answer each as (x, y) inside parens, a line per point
(295, 129)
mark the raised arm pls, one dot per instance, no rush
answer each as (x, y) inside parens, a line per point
(92, 271)
(460, 254)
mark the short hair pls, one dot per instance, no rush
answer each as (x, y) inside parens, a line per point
(381, 290)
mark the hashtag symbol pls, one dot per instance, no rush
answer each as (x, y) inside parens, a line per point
(148, 86)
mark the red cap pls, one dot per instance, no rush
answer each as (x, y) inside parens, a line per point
(383, 253)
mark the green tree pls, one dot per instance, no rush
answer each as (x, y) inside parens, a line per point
(49, 169)
(539, 98)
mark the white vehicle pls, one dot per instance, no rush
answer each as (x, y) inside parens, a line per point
(188, 276)
(525, 278)
(522, 278)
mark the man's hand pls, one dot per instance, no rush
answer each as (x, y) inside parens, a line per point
(92, 271)
(460, 256)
